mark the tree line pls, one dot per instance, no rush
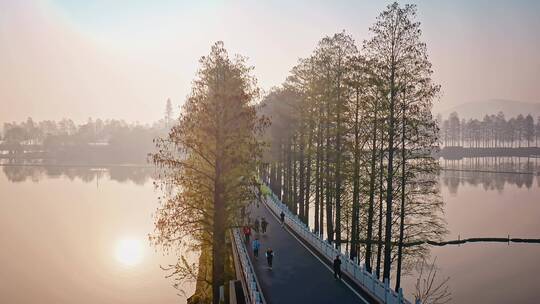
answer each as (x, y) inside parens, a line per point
(493, 131)
(67, 132)
(96, 140)
(348, 149)
(351, 140)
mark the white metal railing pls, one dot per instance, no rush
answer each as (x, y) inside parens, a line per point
(356, 272)
(254, 295)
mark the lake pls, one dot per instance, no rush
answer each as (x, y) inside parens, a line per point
(490, 205)
(79, 235)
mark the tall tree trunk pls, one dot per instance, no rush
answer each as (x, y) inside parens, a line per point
(280, 173)
(328, 200)
(308, 173)
(290, 174)
(356, 182)
(372, 178)
(318, 226)
(285, 198)
(338, 167)
(402, 209)
(381, 192)
(389, 178)
(273, 179)
(302, 182)
(219, 228)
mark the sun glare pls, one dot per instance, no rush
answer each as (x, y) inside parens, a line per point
(129, 252)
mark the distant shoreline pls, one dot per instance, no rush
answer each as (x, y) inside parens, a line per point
(77, 165)
(81, 165)
(490, 171)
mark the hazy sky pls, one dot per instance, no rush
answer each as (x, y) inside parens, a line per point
(124, 58)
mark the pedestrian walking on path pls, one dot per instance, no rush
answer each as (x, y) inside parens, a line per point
(264, 224)
(282, 217)
(337, 267)
(269, 257)
(256, 225)
(259, 197)
(247, 233)
(256, 246)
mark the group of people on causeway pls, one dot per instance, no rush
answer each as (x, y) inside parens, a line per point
(260, 226)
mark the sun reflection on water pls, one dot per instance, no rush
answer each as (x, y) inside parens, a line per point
(129, 252)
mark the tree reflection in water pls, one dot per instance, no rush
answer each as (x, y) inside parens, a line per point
(139, 175)
(491, 173)
(487, 180)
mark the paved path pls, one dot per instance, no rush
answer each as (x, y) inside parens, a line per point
(297, 275)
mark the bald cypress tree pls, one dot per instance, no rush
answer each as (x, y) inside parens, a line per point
(404, 69)
(209, 160)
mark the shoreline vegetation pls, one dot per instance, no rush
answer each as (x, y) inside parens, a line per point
(76, 165)
(106, 155)
(96, 141)
(459, 152)
(115, 142)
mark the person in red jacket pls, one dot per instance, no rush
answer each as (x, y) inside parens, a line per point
(247, 233)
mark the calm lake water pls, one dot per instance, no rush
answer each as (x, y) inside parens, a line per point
(79, 235)
(490, 205)
(76, 235)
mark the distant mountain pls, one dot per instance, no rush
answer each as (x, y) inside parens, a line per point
(510, 108)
